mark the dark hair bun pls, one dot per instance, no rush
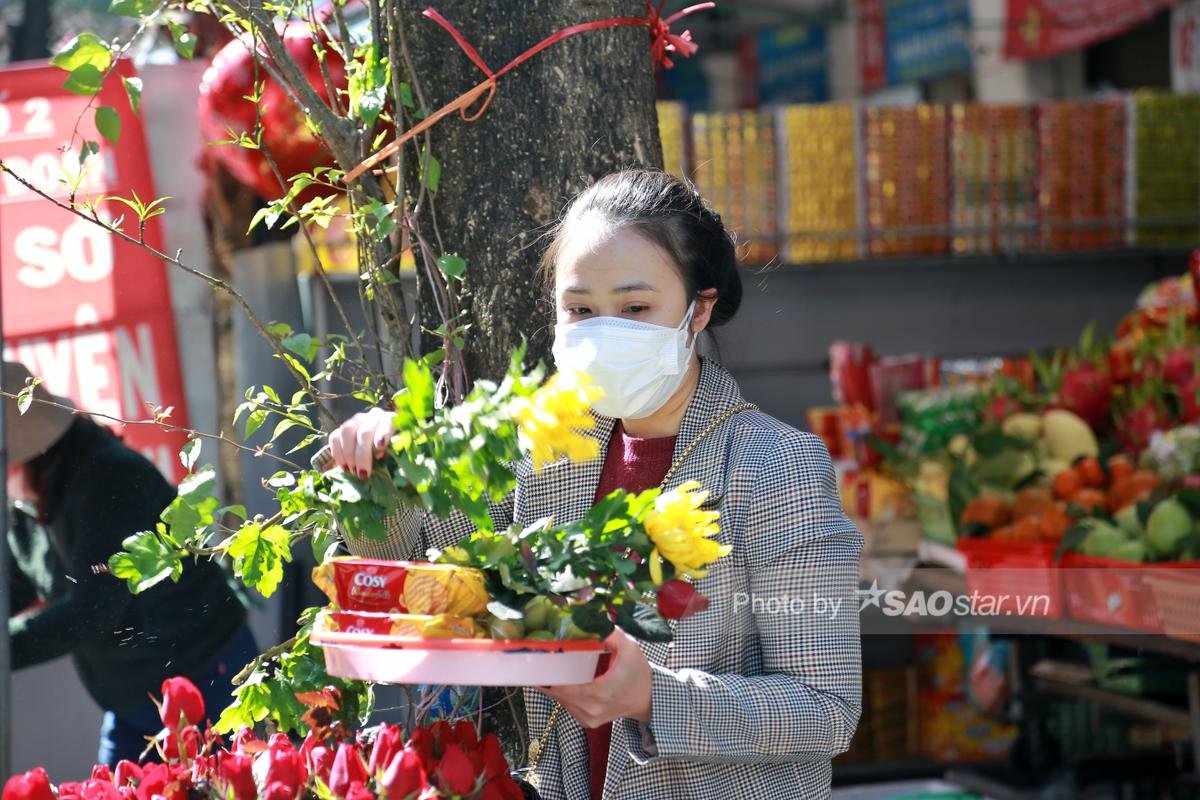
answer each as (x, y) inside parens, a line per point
(669, 212)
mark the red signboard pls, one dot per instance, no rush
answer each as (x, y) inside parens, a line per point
(84, 309)
(1037, 28)
(872, 45)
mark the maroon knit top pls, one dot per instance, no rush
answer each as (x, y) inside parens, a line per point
(634, 465)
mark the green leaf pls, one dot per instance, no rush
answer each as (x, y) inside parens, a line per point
(108, 122)
(185, 40)
(324, 544)
(85, 50)
(258, 555)
(146, 561)
(302, 345)
(133, 90)
(453, 265)
(593, 618)
(84, 80)
(645, 624)
(190, 453)
(253, 422)
(88, 150)
(132, 8)
(406, 95)
(24, 399)
(431, 170)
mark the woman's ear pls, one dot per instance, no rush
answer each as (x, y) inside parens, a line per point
(704, 306)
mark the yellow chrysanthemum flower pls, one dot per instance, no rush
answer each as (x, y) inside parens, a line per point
(683, 533)
(552, 421)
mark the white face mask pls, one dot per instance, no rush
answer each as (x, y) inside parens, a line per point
(638, 365)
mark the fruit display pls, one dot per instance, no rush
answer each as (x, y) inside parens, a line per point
(1167, 168)
(1070, 475)
(672, 130)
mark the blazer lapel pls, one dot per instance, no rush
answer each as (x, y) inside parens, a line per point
(706, 464)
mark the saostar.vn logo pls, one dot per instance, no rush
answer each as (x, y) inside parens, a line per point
(942, 603)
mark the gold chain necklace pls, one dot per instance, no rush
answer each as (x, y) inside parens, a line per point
(538, 746)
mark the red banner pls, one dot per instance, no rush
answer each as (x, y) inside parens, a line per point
(1038, 28)
(84, 309)
(872, 45)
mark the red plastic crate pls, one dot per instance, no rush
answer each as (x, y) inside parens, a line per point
(1017, 575)
(1112, 592)
(1176, 591)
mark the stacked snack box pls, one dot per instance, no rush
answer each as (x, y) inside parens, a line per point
(672, 130)
(735, 171)
(1167, 163)
(1081, 155)
(907, 180)
(993, 163)
(819, 185)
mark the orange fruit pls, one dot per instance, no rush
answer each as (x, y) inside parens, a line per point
(1031, 500)
(1092, 472)
(1090, 500)
(1067, 483)
(1120, 467)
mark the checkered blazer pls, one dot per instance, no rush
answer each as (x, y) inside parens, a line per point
(755, 695)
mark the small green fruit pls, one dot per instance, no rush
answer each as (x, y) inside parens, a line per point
(536, 612)
(540, 636)
(1127, 520)
(1169, 524)
(1130, 551)
(1102, 538)
(504, 628)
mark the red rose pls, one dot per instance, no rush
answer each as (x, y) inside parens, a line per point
(494, 762)
(32, 785)
(153, 782)
(285, 766)
(181, 698)
(422, 741)
(128, 774)
(405, 775)
(465, 735)
(101, 772)
(455, 774)
(443, 734)
(278, 790)
(359, 791)
(71, 790)
(503, 788)
(99, 790)
(236, 772)
(679, 599)
(347, 768)
(190, 737)
(244, 741)
(387, 743)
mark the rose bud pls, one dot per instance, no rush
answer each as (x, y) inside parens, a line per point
(679, 599)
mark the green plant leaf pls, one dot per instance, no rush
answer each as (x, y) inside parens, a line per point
(190, 453)
(253, 422)
(84, 80)
(146, 561)
(132, 8)
(258, 555)
(24, 399)
(453, 265)
(593, 618)
(431, 170)
(85, 50)
(644, 623)
(184, 40)
(133, 90)
(108, 122)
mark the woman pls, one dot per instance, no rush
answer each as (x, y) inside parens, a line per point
(754, 696)
(89, 492)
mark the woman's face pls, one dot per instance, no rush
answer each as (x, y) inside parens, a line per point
(603, 273)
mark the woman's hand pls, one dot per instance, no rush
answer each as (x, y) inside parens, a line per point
(622, 691)
(360, 440)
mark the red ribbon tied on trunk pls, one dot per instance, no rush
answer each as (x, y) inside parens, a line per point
(663, 44)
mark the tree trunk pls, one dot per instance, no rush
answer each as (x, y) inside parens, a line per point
(572, 113)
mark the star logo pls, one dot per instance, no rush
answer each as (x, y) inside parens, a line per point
(870, 597)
